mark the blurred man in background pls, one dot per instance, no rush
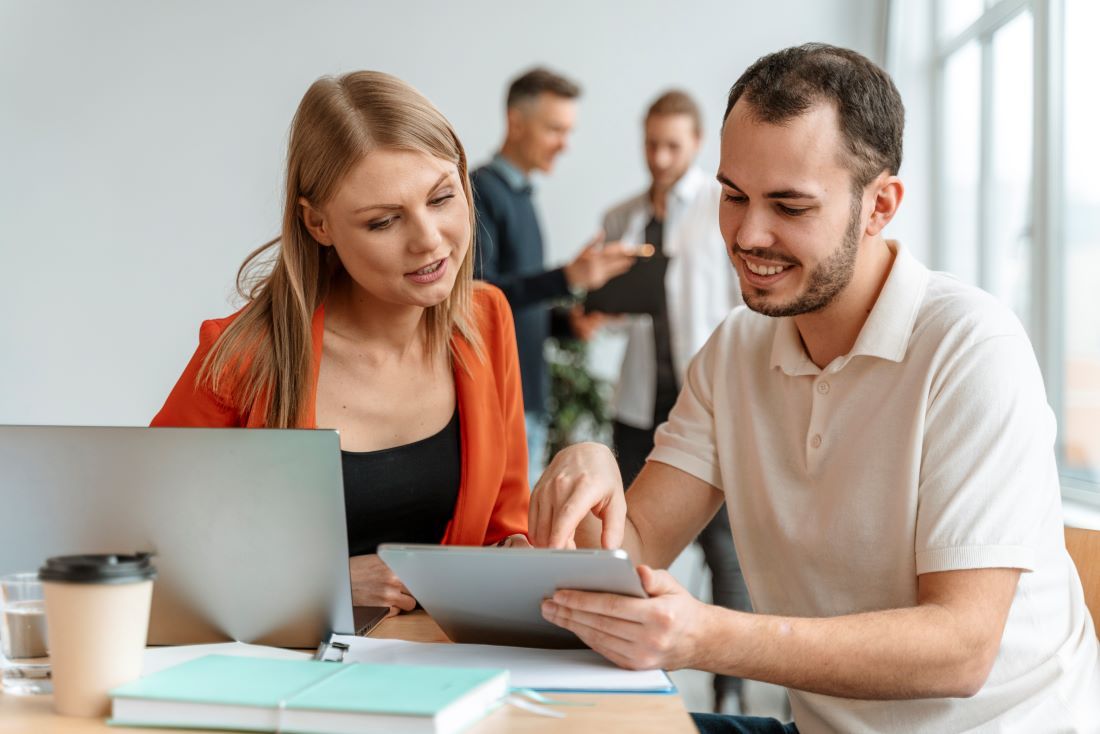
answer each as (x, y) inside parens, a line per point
(541, 109)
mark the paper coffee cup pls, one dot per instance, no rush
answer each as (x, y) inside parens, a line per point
(97, 611)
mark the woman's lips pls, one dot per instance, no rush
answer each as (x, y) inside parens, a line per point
(429, 273)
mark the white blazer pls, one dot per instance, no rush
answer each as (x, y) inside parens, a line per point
(700, 285)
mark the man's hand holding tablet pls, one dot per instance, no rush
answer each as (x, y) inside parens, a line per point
(580, 500)
(493, 595)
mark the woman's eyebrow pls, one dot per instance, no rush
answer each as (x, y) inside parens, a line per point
(368, 207)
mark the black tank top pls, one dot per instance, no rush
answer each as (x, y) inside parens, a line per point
(405, 494)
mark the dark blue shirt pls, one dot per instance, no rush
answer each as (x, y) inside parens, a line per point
(510, 256)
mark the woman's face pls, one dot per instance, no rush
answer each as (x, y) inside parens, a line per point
(400, 224)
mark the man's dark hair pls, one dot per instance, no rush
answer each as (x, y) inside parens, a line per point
(785, 84)
(534, 82)
(676, 102)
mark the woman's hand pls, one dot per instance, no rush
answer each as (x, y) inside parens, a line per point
(516, 540)
(373, 584)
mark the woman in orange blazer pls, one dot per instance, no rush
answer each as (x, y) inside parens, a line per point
(363, 316)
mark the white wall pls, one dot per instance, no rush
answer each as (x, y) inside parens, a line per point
(141, 148)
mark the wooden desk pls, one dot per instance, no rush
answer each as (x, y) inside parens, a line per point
(608, 713)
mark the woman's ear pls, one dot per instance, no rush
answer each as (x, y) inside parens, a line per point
(315, 222)
(888, 195)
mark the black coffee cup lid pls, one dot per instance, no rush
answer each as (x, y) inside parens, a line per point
(99, 569)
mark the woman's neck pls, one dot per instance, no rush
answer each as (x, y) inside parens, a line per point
(383, 330)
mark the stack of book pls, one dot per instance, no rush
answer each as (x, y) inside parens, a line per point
(309, 697)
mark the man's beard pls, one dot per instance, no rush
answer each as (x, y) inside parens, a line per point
(827, 280)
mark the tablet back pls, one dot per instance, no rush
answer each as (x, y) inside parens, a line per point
(493, 595)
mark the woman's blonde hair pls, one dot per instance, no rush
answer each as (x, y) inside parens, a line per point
(265, 356)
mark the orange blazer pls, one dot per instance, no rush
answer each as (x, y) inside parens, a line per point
(493, 495)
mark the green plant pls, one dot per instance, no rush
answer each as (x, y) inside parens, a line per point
(578, 401)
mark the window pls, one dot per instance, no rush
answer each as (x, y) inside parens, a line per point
(1015, 213)
(1080, 291)
(961, 160)
(956, 15)
(1009, 213)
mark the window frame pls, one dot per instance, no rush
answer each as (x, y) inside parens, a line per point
(1046, 317)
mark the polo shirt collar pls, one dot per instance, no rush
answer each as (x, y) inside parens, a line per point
(515, 178)
(886, 332)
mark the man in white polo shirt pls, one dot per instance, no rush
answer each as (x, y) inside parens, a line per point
(881, 437)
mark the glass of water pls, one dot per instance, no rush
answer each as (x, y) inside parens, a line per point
(24, 646)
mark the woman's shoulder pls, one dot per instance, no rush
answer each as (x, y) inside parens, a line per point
(235, 358)
(489, 301)
(211, 329)
(489, 296)
(491, 315)
(196, 399)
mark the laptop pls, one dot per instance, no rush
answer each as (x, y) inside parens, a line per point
(247, 526)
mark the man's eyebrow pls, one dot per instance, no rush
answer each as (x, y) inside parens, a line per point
(435, 186)
(724, 180)
(784, 194)
(789, 194)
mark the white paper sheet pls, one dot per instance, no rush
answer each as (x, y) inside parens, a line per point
(542, 670)
(159, 658)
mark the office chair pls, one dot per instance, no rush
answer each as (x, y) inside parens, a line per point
(1084, 548)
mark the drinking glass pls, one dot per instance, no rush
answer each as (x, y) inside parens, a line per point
(24, 646)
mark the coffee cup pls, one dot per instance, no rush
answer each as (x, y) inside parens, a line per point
(97, 611)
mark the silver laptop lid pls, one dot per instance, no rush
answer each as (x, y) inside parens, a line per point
(247, 525)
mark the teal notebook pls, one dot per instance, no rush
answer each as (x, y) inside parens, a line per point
(309, 697)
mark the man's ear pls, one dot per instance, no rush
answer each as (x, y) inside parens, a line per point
(888, 193)
(516, 119)
(315, 222)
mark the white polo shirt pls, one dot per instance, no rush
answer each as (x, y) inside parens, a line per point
(929, 447)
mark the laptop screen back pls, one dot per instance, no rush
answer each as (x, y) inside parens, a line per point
(246, 525)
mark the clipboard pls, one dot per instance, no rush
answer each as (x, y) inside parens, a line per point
(640, 290)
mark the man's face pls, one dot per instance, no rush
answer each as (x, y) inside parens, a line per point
(540, 129)
(671, 144)
(791, 223)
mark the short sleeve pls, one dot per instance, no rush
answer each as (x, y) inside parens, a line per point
(988, 478)
(687, 441)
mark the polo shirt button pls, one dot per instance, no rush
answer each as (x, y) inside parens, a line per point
(816, 441)
(823, 387)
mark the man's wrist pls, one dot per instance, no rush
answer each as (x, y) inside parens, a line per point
(569, 274)
(713, 644)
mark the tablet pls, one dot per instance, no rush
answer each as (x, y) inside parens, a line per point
(493, 595)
